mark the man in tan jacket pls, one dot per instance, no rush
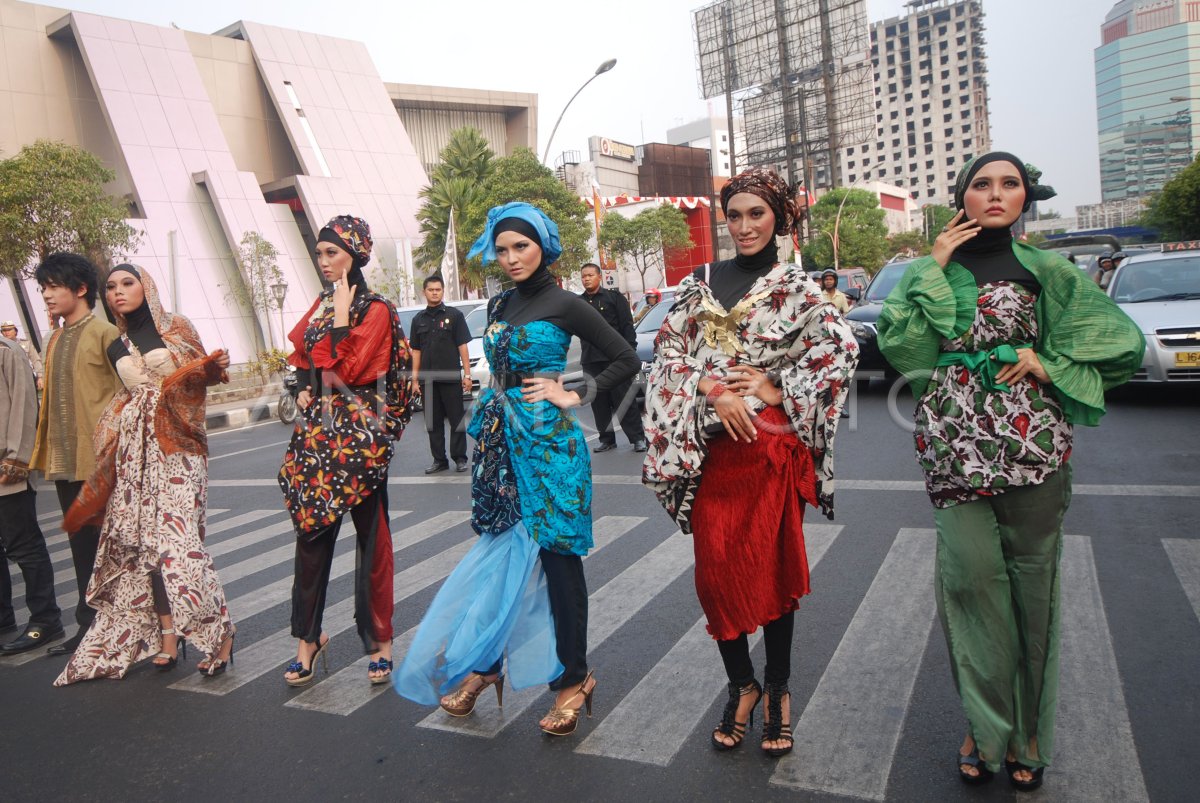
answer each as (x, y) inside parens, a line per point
(79, 383)
(21, 539)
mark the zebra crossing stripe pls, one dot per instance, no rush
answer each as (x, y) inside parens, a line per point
(1185, 560)
(864, 693)
(345, 691)
(266, 597)
(58, 537)
(281, 554)
(608, 608)
(1094, 754)
(65, 577)
(654, 720)
(273, 652)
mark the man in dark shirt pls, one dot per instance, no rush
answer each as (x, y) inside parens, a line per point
(440, 361)
(613, 307)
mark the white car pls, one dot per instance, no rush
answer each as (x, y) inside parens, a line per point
(1161, 293)
(481, 372)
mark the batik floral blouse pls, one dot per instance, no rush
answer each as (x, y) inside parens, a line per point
(781, 324)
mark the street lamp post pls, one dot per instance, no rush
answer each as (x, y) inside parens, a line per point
(603, 68)
(279, 290)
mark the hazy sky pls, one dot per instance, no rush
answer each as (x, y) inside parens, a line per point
(1041, 77)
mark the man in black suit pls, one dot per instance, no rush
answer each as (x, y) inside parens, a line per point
(439, 339)
(613, 307)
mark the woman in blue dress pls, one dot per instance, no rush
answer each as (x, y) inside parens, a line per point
(520, 592)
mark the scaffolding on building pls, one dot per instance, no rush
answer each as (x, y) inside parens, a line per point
(801, 72)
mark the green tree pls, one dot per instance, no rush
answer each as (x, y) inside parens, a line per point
(1049, 214)
(646, 237)
(521, 177)
(908, 243)
(455, 184)
(1174, 211)
(258, 260)
(855, 219)
(935, 217)
(52, 198)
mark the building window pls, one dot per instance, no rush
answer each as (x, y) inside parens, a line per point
(307, 127)
(949, 133)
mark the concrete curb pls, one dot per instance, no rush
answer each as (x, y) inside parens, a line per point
(254, 412)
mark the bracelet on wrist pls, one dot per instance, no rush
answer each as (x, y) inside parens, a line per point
(715, 391)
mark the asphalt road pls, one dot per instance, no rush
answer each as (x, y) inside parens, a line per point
(873, 706)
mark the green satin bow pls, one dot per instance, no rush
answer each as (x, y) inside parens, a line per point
(985, 363)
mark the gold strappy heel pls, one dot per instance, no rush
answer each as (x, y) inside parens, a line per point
(462, 702)
(565, 720)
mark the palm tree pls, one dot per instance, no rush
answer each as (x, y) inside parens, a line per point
(456, 182)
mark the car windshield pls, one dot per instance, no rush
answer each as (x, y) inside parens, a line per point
(654, 317)
(406, 318)
(1158, 280)
(477, 320)
(885, 281)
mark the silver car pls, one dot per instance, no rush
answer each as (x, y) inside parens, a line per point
(1161, 293)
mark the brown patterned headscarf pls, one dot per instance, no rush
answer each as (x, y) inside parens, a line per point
(766, 184)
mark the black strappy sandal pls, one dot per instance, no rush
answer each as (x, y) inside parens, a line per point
(972, 759)
(1013, 767)
(729, 725)
(774, 728)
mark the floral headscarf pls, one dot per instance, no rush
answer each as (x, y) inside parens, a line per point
(351, 234)
(766, 184)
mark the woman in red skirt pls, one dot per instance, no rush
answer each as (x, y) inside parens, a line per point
(743, 401)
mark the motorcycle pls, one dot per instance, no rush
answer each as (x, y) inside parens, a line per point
(288, 409)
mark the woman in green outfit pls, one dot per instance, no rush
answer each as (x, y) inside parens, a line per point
(1005, 347)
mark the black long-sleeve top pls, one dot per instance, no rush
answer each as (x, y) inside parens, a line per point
(539, 298)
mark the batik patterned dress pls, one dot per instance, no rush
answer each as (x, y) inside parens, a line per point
(151, 486)
(744, 503)
(531, 490)
(974, 442)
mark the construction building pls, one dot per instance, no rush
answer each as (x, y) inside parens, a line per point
(931, 99)
(799, 72)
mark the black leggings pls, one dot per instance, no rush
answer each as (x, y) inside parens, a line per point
(777, 638)
(567, 588)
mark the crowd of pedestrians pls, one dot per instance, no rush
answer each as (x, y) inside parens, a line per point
(1006, 348)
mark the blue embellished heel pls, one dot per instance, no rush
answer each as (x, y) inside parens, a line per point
(305, 675)
(383, 665)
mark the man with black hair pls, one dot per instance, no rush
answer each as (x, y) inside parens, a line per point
(79, 382)
(438, 340)
(614, 308)
(21, 539)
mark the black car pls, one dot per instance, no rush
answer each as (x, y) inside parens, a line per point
(864, 315)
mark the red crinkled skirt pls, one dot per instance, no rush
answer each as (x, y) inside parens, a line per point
(748, 527)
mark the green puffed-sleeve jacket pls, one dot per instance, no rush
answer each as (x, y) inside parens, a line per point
(1085, 342)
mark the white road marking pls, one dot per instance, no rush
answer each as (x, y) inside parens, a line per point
(846, 738)
(252, 449)
(608, 608)
(654, 720)
(346, 690)
(1185, 560)
(1094, 754)
(273, 651)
